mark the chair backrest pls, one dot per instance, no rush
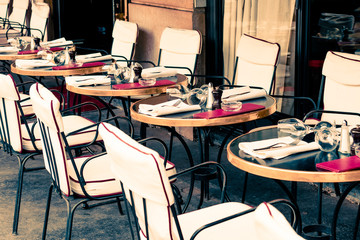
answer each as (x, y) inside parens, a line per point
(180, 48)
(39, 19)
(341, 86)
(256, 61)
(142, 173)
(124, 39)
(4, 8)
(18, 13)
(47, 110)
(10, 124)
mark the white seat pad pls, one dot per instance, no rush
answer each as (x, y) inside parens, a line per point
(100, 180)
(244, 225)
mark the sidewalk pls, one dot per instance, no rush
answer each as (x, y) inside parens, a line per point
(104, 222)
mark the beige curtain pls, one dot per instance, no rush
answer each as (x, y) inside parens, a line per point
(271, 20)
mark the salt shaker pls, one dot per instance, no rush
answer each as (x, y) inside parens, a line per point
(210, 97)
(344, 147)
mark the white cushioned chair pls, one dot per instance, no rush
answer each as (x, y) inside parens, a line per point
(339, 90)
(147, 188)
(16, 20)
(85, 178)
(20, 135)
(4, 11)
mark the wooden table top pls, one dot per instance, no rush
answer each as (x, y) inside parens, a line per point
(186, 119)
(299, 167)
(54, 73)
(108, 91)
(14, 56)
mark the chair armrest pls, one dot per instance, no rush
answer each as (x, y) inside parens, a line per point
(328, 111)
(297, 98)
(161, 142)
(219, 168)
(84, 104)
(102, 51)
(295, 214)
(142, 61)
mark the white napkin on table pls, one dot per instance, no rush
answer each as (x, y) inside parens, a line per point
(87, 80)
(170, 107)
(94, 58)
(158, 72)
(60, 42)
(242, 93)
(276, 152)
(8, 49)
(85, 56)
(33, 63)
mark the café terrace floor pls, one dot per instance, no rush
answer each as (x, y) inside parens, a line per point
(105, 222)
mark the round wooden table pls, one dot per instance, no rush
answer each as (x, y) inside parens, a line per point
(108, 91)
(55, 73)
(299, 167)
(14, 56)
(186, 119)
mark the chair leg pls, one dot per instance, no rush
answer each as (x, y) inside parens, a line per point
(119, 206)
(70, 216)
(22, 169)
(18, 196)
(47, 212)
(244, 187)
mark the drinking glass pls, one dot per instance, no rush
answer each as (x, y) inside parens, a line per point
(327, 137)
(292, 127)
(197, 96)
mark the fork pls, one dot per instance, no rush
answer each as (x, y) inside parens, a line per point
(277, 145)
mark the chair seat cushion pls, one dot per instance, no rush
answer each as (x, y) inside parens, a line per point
(100, 180)
(191, 221)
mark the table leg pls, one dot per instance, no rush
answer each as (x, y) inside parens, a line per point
(337, 210)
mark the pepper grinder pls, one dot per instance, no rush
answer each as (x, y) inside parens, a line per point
(355, 133)
(217, 92)
(344, 147)
(210, 97)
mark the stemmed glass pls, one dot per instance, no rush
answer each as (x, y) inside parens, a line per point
(325, 133)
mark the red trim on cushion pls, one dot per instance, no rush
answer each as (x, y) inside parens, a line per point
(65, 166)
(267, 206)
(157, 165)
(19, 126)
(100, 195)
(351, 59)
(277, 57)
(94, 181)
(14, 85)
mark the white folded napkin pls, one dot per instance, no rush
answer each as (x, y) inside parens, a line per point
(106, 58)
(158, 72)
(8, 49)
(87, 80)
(166, 108)
(244, 93)
(33, 63)
(85, 56)
(60, 42)
(276, 152)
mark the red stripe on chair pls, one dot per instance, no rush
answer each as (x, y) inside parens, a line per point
(267, 206)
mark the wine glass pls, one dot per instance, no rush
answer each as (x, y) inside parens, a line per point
(326, 136)
(197, 96)
(292, 127)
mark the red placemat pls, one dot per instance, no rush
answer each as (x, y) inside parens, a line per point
(74, 66)
(54, 49)
(137, 85)
(246, 107)
(340, 165)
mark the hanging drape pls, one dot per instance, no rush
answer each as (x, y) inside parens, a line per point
(272, 20)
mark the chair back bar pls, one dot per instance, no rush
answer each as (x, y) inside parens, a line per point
(180, 48)
(341, 86)
(46, 108)
(146, 185)
(256, 61)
